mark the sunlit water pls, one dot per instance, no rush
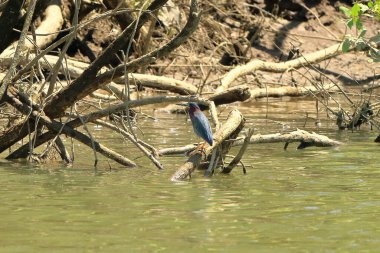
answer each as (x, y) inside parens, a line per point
(312, 200)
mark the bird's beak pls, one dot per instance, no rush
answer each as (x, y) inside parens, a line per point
(183, 104)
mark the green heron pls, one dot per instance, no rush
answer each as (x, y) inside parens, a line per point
(200, 123)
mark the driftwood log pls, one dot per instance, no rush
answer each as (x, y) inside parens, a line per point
(230, 129)
(301, 136)
(255, 65)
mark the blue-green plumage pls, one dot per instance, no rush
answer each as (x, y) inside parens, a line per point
(200, 123)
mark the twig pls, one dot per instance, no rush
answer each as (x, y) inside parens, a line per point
(89, 134)
(15, 133)
(54, 72)
(20, 46)
(236, 160)
(133, 140)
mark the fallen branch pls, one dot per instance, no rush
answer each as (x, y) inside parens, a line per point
(86, 83)
(234, 122)
(237, 93)
(295, 136)
(89, 81)
(11, 135)
(287, 91)
(255, 65)
(302, 136)
(58, 127)
(75, 69)
(133, 140)
(239, 156)
(163, 83)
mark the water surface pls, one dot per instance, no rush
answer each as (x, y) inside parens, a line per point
(312, 200)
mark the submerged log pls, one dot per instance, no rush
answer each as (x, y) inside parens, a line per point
(231, 127)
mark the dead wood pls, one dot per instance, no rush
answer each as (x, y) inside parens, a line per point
(75, 69)
(86, 83)
(289, 91)
(231, 127)
(124, 19)
(6, 80)
(227, 169)
(89, 82)
(163, 83)
(301, 136)
(137, 142)
(22, 152)
(234, 94)
(13, 134)
(255, 65)
(58, 127)
(63, 151)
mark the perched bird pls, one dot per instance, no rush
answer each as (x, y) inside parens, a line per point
(200, 123)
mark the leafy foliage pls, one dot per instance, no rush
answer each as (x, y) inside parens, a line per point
(372, 10)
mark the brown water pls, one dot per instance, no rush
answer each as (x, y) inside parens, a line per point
(312, 200)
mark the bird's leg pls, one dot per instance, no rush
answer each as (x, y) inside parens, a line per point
(199, 149)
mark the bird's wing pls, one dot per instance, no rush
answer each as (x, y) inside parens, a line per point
(202, 127)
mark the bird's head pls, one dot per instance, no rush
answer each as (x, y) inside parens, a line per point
(193, 106)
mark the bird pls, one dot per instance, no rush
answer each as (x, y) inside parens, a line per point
(200, 123)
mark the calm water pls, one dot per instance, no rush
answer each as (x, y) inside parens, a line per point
(313, 200)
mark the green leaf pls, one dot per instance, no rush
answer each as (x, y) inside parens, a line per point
(362, 33)
(346, 45)
(370, 5)
(350, 23)
(355, 10)
(359, 24)
(345, 10)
